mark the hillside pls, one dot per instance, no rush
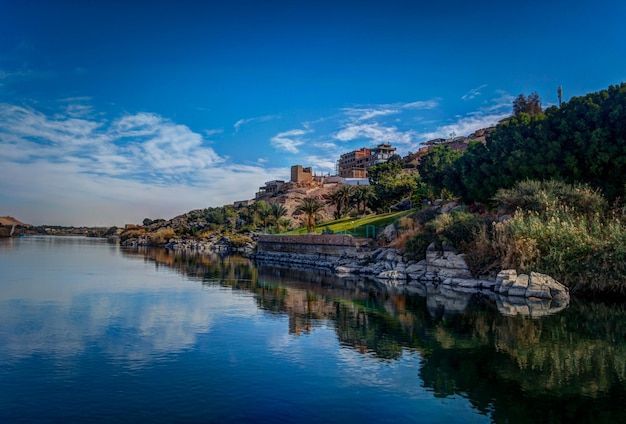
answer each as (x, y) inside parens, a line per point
(9, 221)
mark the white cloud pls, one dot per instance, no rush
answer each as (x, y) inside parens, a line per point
(237, 125)
(376, 133)
(428, 104)
(71, 171)
(321, 164)
(474, 92)
(363, 114)
(288, 141)
(464, 126)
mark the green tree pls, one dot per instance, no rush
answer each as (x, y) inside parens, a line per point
(334, 199)
(264, 211)
(277, 212)
(363, 196)
(383, 170)
(311, 208)
(437, 166)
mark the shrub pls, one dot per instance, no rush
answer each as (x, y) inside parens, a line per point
(542, 196)
(162, 236)
(426, 215)
(456, 228)
(494, 247)
(134, 233)
(415, 247)
(238, 240)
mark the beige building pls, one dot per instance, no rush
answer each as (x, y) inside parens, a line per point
(300, 174)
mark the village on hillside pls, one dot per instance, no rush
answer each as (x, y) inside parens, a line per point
(351, 169)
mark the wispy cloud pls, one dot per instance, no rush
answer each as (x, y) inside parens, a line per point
(364, 113)
(288, 141)
(474, 92)
(237, 125)
(427, 104)
(375, 132)
(78, 171)
(322, 164)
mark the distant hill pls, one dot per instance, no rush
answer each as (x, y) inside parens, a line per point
(9, 220)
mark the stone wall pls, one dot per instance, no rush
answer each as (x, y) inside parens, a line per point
(313, 244)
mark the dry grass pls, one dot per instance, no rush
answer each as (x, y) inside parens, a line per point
(162, 236)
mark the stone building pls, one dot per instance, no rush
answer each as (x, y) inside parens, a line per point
(300, 174)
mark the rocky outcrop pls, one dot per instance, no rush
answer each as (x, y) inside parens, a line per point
(215, 243)
(443, 268)
(533, 286)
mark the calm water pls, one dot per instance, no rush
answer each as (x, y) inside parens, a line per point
(93, 333)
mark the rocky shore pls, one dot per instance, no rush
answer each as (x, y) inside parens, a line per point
(442, 275)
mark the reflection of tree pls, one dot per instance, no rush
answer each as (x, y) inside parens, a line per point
(567, 365)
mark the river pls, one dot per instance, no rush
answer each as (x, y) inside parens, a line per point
(91, 332)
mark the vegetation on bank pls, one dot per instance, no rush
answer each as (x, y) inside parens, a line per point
(544, 193)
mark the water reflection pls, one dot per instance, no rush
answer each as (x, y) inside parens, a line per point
(565, 365)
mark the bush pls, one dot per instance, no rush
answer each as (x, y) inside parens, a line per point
(586, 254)
(456, 228)
(161, 236)
(128, 234)
(542, 196)
(495, 247)
(237, 240)
(415, 247)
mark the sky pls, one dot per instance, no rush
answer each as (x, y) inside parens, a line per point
(115, 111)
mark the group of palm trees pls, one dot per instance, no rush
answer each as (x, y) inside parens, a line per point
(342, 200)
(273, 213)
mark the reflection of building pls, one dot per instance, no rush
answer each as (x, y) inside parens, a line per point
(270, 188)
(301, 175)
(355, 164)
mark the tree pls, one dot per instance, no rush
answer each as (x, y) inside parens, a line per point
(392, 190)
(278, 211)
(264, 211)
(437, 165)
(387, 169)
(363, 196)
(345, 193)
(530, 105)
(311, 208)
(335, 200)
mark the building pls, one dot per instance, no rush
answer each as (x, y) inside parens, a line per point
(301, 175)
(270, 188)
(242, 203)
(356, 163)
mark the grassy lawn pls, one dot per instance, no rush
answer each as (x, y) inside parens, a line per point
(359, 227)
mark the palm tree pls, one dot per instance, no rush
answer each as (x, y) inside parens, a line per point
(277, 212)
(264, 211)
(311, 208)
(283, 223)
(335, 199)
(345, 192)
(362, 197)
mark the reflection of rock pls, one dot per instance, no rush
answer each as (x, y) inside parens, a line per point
(533, 307)
(448, 301)
(442, 267)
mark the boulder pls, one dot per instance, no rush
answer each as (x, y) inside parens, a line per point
(531, 286)
(519, 286)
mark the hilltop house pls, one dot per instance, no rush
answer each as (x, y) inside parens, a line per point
(356, 163)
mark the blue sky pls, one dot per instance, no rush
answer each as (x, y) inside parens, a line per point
(113, 111)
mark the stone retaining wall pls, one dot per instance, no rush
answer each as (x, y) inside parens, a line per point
(312, 244)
